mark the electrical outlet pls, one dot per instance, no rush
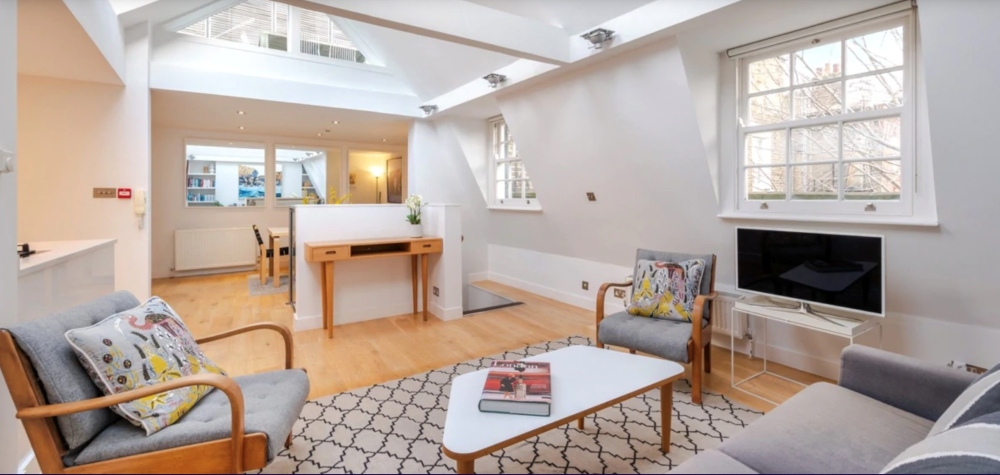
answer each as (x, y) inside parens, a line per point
(437, 292)
(591, 196)
(585, 285)
(619, 293)
(105, 192)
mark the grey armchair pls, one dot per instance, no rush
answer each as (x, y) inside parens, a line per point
(239, 427)
(669, 339)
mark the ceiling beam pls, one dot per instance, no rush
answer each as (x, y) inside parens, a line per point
(456, 21)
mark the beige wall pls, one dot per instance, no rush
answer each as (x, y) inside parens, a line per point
(360, 163)
(169, 182)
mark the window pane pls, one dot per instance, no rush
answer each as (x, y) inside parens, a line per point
(517, 189)
(765, 148)
(819, 101)
(225, 176)
(872, 138)
(196, 29)
(877, 92)
(305, 175)
(767, 74)
(815, 144)
(321, 37)
(815, 182)
(253, 22)
(770, 108)
(766, 183)
(517, 171)
(529, 190)
(874, 51)
(876, 180)
(815, 64)
(503, 171)
(503, 190)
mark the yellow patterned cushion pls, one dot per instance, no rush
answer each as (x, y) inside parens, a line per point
(140, 347)
(666, 289)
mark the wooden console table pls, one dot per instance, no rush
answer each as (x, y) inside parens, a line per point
(329, 252)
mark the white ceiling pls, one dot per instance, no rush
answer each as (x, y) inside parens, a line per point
(574, 16)
(220, 114)
(62, 49)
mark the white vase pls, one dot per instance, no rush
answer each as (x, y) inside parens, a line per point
(416, 230)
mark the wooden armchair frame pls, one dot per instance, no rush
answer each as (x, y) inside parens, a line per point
(699, 347)
(236, 454)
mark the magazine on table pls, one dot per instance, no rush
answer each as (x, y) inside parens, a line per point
(518, 387)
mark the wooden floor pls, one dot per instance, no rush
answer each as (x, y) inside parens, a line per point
(366, 353)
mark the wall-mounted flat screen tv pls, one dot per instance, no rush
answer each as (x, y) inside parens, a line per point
(833, 270)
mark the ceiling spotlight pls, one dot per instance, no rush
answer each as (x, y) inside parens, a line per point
(319, 135)
(383, 140)
(429, 109)
(495, 79)
(230, 143)
(598, 37)
(240, 112)
(336, 122)
(242, 128)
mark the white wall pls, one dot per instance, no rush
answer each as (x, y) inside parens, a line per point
(375, 288)
(629, 130)
(441, 173)
(11, 451)
(169, 182)
(100, 22)
(75, 136)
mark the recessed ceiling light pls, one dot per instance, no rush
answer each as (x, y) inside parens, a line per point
(240, 112)
(319, 135)
(383, 140)
(242, 128)
(327, 130)
(336, 122)
(230, 143)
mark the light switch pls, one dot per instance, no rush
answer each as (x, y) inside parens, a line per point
(105, 192)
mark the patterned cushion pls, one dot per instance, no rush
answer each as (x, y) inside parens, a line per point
(143, 346)
(979, 399)
(972, 447)
(666, 289)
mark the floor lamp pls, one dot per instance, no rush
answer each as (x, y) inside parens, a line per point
(377, 172)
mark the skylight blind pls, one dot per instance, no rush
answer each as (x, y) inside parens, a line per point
(245, 22)
(317, 27)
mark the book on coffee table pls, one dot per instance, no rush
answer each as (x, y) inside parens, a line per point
(518, 387)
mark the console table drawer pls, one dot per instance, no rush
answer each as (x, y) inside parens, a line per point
(328, 253)
(426, 247)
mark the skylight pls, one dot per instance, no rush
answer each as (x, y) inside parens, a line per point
(265, 24)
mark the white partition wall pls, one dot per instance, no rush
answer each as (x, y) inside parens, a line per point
(375, 288)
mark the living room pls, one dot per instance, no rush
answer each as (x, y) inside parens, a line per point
(741, 157)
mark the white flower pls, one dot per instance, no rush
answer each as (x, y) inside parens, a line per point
(414, 202)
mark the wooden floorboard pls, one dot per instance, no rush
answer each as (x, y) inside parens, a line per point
(375, 351)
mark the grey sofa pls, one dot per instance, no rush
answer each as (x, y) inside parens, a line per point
(883, 405)
(43, 374)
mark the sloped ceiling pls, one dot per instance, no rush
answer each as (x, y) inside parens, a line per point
(431, 67)
(574, 16)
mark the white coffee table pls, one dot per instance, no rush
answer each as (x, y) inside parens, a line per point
(584, 380)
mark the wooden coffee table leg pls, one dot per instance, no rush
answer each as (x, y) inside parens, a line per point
(666, 413)
(579, 423)
(465, 466)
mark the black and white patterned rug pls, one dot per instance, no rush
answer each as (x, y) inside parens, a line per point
(396, 427)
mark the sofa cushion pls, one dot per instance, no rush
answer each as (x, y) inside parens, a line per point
(973, 447)
(61, 376)
(979, 399)
(712, 461)
(656, 336)
(826, 429)
(273, 403)
(666, 289)
(143, 346)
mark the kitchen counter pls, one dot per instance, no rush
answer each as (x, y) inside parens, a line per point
(52, 253)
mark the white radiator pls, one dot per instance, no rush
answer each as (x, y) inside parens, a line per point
(722, 312)
(197, 249)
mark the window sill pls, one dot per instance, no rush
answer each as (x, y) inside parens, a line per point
(916, 221)
(530, 209)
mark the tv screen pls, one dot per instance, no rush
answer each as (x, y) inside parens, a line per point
(836, 270)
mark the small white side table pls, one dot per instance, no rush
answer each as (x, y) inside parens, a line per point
(831, 325)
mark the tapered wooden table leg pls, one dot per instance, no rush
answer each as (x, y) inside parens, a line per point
(328, 292)
(579, 423)
(424, 283)
(413, 267)
(465, 466)
(666, 413)
(325, 298)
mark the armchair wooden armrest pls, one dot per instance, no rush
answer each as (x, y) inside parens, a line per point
(281, 329)
(699, 309)
(602, 294)
(224, 383)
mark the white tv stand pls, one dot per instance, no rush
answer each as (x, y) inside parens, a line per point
(802, 316)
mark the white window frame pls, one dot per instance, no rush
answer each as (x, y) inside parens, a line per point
(908, 126)
(528, 204)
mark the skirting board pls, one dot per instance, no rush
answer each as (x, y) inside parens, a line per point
(554, 294)
(313, 322)
(478, 276)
